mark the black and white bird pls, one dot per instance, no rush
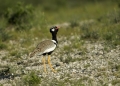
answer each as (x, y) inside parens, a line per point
(47, 47)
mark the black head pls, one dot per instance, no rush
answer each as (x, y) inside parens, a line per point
(54, 29)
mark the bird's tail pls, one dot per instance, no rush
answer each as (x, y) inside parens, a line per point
(33, 53)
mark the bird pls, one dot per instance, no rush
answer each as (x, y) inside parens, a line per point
(46, 47)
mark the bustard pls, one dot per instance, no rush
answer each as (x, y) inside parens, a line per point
(47, 47)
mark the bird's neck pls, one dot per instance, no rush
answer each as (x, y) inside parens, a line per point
(54, 37)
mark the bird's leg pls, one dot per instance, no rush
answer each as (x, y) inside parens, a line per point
(50, 64)
(43, 59)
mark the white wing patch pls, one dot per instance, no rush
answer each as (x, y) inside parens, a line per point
(50, 49)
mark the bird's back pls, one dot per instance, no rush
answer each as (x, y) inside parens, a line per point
(44, 47)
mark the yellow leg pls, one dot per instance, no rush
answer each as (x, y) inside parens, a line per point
(50, 64)
(43, 59)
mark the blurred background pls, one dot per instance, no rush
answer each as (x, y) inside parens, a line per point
(74, 9)
(89, 19)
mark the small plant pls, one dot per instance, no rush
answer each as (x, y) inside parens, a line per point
(57, 83)
(88, 32)
(68, 59)
(85, 31)
(114, 17)
(2, 46)
(74, 23)
(108, 36)
(32, 79)
(111, 35)
(77, 82)
(16, 54)
(116, 82)
(65, 48)
(20, 16)
(4, 35)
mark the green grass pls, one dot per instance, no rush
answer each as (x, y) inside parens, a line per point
(32, 79)
(3, 46)
(103, 29)
(83, 12)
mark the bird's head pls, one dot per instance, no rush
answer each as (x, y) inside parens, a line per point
(54, 29)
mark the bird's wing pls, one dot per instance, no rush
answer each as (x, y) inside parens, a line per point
(44, 47)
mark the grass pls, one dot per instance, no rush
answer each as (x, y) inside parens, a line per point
(32, 79)
(96, 30)
(3, 46)
(116, 82)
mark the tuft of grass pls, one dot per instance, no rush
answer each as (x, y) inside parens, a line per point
(4, 35)
(77, 82)
(57, 83)
(87, 65)
(16, 54)
(68, 59)
(67, 47)
(74, 23)
(3, 46)
(111, 34)
(88, 32)
(116, 82)
(114, 16)
(32, 79)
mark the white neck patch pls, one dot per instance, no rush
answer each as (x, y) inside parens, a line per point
(54, 41)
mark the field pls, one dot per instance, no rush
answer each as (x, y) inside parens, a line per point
(88, 52)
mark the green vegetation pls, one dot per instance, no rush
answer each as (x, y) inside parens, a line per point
(3, 46)
(20, 16)
(4, 35)
(101, 24)
(31, 79)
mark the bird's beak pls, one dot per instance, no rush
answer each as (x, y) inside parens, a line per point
(58, 27)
